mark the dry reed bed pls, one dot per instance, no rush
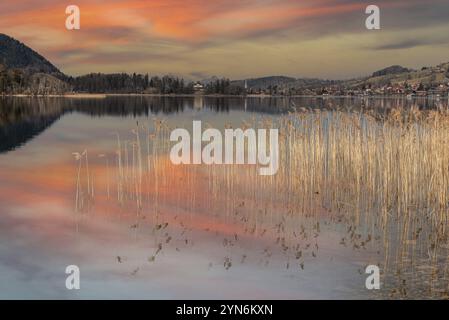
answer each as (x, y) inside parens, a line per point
(386, 177)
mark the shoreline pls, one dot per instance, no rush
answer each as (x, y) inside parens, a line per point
(105, 95)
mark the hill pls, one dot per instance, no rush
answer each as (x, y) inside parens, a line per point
(282, 84)
(391, 70)
(391, 80)
(403, 80)
(16, 55)
(24, 71)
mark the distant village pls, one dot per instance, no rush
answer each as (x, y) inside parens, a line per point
(410, 90)
(395, 80)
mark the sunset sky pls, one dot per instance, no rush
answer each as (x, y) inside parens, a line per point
(233, 38)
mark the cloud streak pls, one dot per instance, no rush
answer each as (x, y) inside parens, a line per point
(141, 35)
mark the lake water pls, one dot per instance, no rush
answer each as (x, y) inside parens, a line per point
(145, 229)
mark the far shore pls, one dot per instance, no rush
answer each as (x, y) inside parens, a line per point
(71, 95)
(105, 95)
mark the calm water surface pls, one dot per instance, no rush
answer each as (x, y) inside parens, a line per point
(167, 248)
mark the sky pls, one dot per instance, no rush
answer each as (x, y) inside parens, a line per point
(237, 39)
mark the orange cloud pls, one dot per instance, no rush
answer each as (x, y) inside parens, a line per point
(174, 19)
(147, 30)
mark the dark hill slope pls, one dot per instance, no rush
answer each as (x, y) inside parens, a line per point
(16, 55)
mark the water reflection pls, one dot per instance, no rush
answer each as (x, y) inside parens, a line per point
(23, 118)
(140, 227)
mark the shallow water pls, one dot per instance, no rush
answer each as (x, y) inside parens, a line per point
(180, 240)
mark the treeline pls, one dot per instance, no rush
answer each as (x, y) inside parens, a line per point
(139, 83)
(16, 81)
(9, 81)
(223, 86)
(129, 83)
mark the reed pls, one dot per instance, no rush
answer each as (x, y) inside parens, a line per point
(385, 176)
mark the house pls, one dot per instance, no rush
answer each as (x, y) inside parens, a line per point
(198, 87)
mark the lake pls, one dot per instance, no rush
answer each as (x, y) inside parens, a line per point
(88, 182)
